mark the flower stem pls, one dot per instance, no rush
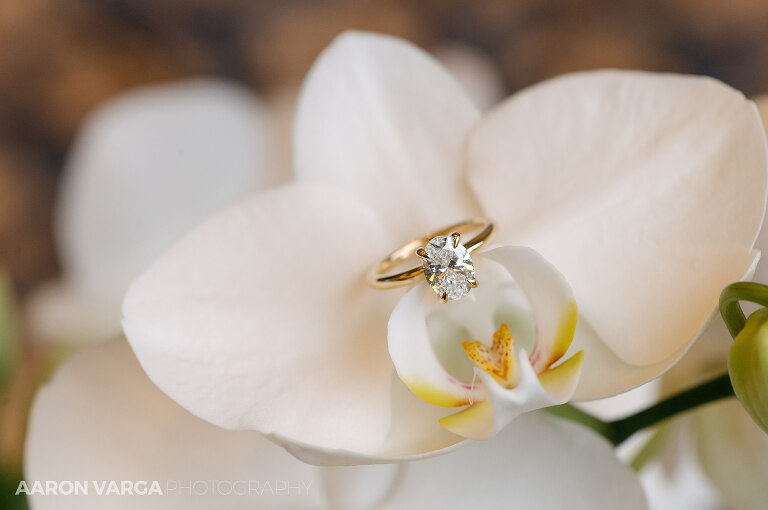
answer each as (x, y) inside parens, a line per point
(714, 389)
(619, 430)
(652, 446)
(730, 308)
(572, 413)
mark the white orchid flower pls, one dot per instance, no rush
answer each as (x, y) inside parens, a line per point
(147, 167)
(644, 191)
(100, 418)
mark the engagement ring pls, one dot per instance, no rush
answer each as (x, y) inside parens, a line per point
(445, 261)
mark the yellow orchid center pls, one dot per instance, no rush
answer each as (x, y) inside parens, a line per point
(498, 360)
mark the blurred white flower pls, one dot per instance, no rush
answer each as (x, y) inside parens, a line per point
(146, 167)
(717, 448)
(260, 318)
(101, 418)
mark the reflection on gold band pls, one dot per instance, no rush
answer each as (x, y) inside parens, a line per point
(378, 277)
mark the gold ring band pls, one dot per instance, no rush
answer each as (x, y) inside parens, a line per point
(378, 277)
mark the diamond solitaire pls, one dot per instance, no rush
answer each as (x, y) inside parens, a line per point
(445, 260)
(448, 267)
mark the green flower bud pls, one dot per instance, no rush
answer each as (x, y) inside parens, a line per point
(748, 367)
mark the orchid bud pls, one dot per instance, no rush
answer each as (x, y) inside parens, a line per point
(748, 367)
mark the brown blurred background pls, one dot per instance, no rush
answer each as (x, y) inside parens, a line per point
(58, 59)
(61, 58)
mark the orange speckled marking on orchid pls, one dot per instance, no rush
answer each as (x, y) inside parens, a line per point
(498, 360)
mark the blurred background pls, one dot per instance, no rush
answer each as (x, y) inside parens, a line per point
(60, 60)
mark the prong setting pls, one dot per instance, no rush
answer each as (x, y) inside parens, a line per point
(448, 267)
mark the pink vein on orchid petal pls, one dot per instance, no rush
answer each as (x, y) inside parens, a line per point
(499, 381)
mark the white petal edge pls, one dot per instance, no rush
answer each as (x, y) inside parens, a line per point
(550, 297)
(602, 172)
(383, 120)
(762, 108)
(761, 273)
(414, 434)
(605, 374)
(685, 488)
(146, 167)
(537, 462)
(261, 319)
(475, 70)
(101, 418)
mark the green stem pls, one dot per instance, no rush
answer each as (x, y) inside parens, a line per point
(618, 431)
(712, 390)
(652, 446)
(730, 308)
(571, 413)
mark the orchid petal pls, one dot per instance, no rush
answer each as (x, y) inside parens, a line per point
(602, 172)
(421, 357)
(381, 119)
(509, 470)
(762, 108)
(475, 70)
(604, 374)
(733, 452)
(101, 418)
(550, 298)
(414, 357)
(425, 337)
(508, 404)
(686, 488)
(147, 167)
(560, 382)
(707, 358)
(690, 365)
(478, 421)
(261, 319)
(761, 273)
(358, 487)
(414, 434)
